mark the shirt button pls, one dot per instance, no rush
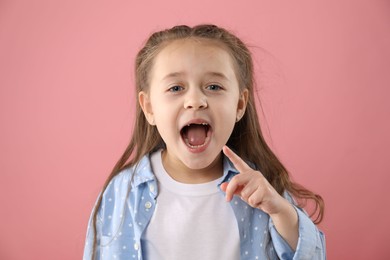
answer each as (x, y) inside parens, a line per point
(151, 188)
(136, 246)
(148, 205)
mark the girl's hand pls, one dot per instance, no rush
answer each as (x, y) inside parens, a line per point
(251, 186)
(255, 190)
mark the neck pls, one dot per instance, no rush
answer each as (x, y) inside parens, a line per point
(181, 173)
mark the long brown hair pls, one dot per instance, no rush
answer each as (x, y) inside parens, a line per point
(247, 139)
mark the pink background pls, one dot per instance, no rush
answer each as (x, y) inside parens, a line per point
(66, 109)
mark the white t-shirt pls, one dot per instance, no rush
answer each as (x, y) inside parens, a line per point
(191, 221)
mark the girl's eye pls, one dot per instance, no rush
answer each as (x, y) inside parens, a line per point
(214, 87)
(175, 88)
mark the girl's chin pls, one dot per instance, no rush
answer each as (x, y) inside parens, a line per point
(202, 162)
(193, 161)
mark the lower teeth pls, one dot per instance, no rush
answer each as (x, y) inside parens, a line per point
(194, 146)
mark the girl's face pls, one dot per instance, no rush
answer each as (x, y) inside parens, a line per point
(194, 101)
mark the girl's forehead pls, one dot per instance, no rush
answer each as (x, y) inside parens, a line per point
(195, 43)
(193, 54)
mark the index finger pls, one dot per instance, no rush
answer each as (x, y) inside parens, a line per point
(239, 163)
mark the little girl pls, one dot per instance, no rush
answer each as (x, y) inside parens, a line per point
(179, 191)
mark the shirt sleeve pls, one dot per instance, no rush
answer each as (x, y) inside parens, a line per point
(88, 248)
(311, 241)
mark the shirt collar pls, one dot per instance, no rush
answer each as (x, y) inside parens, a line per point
(143, 171)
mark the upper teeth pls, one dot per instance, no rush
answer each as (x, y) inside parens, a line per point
(201, 124)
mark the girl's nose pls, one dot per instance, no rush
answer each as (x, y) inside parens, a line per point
(195, 101)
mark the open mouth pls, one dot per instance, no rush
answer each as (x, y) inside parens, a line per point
(196, 135)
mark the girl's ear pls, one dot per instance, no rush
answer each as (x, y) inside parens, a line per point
(146, 106)
(241, 106)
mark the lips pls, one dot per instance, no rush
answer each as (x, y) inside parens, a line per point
(196, 135)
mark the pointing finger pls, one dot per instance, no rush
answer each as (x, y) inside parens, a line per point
(240, 165)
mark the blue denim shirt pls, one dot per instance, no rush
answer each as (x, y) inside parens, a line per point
(129, 201)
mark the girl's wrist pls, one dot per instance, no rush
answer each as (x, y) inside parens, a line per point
(286, 223)
(285, 211)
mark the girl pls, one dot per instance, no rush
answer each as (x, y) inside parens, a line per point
(178, 191)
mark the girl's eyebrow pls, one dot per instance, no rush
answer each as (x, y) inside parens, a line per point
(218, 75)
(173, 75)
(211, 73)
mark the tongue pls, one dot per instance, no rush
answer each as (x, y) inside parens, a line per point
(196, 134)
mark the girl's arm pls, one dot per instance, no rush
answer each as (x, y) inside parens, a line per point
(255, 190)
